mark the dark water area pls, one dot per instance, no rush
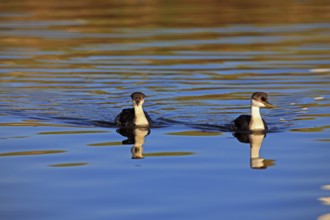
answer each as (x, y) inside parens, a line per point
(67, 68)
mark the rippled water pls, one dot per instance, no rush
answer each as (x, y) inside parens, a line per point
(65, 65)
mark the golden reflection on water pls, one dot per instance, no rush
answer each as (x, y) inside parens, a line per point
(72, 132)
(325, 201)
(33, 123)
(154, 13)
(311, 129)
(324, 140)
(90, 17)
(167, 154)
(106, 144)
(324, 217)
(195, 133)
(69, 164)
(30, 153)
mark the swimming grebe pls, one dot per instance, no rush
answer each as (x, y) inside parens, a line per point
(253, 122)
(134, 117)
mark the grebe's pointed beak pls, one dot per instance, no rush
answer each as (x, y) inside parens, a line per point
(268, 105)
(137, 101)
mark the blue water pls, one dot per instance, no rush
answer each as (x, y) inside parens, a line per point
(66, 75)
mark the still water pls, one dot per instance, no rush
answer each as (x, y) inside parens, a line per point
(65, 65)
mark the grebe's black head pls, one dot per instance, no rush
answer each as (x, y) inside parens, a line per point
(138, 98)
(260, 99)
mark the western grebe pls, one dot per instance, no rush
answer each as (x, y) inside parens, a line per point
(134, 117)
(253, 122)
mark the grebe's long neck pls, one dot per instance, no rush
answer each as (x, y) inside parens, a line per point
(256, 122)
(139, 117)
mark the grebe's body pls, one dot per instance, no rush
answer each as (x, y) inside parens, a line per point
(136, 116)
(253, 122)
(127, 119)
(242, 123)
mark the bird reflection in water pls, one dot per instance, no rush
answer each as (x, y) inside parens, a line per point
(135, 136)
(255, 140)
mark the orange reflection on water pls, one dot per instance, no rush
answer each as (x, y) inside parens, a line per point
(325, 201)
(29, 153)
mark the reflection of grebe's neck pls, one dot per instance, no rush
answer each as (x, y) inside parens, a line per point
(137, 152)
(255, 145)
(137, 149)
(139, 135)
(256, 122)
(139, 117)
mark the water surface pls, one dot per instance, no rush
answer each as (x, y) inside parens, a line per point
(65, 65)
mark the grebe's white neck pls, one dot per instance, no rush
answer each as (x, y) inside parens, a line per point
(140, 119)
(256, 122)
